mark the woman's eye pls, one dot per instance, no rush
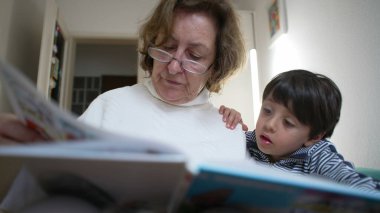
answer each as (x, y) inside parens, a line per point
(195, 57)
(169, 48)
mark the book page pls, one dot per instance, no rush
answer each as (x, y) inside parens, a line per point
(59, 126)
(37, 112)
(120, 180)
(125, 168)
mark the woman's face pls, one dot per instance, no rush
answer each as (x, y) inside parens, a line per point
(193, 37)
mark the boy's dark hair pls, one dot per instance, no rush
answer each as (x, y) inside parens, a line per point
(313, 98)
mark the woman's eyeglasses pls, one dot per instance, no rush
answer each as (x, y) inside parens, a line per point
(186, 64)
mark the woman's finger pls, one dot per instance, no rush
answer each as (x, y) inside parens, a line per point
(12, 129)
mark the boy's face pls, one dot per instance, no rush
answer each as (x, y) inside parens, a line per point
(278, 131)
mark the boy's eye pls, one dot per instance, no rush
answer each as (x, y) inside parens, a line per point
(288, 123)
(266, 110)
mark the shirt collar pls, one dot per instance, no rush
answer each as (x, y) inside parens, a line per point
(299, 155)
(202, 98)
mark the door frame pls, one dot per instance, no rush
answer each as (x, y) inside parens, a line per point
(92, 38)
(51, 18)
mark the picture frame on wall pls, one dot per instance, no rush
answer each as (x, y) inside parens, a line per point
(277, 19)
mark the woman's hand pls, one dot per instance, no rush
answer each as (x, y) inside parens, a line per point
(232, 118)
(13, 131)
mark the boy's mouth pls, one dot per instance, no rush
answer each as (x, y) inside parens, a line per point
(265, 139)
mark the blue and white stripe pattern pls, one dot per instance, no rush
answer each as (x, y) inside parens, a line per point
(321, 159)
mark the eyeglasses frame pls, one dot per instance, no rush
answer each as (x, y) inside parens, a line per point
(178, 60)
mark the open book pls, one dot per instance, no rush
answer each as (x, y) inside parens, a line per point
(124, 172)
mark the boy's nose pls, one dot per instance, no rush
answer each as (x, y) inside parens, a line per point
(270, 125)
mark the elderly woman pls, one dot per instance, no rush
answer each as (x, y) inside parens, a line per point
(189, 48)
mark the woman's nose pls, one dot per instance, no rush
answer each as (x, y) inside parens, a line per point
(174, 66)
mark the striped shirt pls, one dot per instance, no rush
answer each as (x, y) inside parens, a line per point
(321, 159)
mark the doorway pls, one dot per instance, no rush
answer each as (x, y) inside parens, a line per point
(102, 65)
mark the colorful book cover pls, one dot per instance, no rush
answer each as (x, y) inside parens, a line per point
(267, 190)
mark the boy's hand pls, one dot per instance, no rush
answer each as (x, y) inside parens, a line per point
(232, 118)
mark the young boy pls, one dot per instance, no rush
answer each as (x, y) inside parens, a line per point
(299, 112)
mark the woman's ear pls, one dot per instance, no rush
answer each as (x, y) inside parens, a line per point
(315, 139)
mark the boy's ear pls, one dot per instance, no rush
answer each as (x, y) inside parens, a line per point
(315, 139)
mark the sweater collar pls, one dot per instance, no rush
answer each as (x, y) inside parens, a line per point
(202, 98)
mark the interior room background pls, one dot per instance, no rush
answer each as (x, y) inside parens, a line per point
(336, 38)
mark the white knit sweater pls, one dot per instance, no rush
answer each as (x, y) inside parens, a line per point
(196, 128)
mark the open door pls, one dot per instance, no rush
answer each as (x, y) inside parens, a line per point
(53, 78)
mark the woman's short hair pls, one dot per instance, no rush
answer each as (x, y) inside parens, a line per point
(230, 52)
(313, 98)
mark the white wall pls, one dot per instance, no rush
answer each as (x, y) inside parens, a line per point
(20, 37)
(5, 17)
(25, 33)
(339, 39)
(237, 91)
